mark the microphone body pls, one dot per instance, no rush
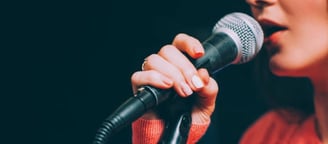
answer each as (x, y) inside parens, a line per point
(220, 51)
(236, 39)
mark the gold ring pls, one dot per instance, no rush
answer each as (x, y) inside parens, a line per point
(143, 65)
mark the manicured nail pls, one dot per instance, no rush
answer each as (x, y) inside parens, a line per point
(198, 83)
(198, 51)
(186, 89)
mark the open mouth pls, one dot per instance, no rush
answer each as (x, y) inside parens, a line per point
(270, 28)
(272, 33)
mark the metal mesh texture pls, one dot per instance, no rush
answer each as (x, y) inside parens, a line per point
(248, 30)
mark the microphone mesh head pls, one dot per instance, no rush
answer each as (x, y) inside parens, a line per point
(245, 31)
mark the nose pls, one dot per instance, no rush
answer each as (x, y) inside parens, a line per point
(260, 3)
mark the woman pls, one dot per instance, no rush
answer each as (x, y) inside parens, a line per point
(296, 38)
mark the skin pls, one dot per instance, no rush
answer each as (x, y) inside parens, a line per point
(300, 49)
(170, 68)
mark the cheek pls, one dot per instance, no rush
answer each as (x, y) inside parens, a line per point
(310, 36)
(305, 8)
(312, 39)
(299, 52)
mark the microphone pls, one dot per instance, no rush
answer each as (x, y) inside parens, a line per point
(236, 38)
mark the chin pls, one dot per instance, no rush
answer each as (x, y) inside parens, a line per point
(285, 69)
(281, 73)
(284, 73)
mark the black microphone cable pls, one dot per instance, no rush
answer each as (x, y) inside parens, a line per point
(147, 98)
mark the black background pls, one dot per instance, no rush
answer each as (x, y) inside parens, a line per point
(68, 64)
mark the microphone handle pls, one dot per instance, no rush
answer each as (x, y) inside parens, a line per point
(176, 129)
(176, 113)
(220, 51)
(130, 110)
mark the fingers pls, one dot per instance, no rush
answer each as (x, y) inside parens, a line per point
(164, 67)
(150, 77)
(207, 97)
(171, 68)
(189, 45)
(182, 65)
(205, 103)
(171, 63)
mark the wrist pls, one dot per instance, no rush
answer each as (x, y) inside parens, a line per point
(150, 115)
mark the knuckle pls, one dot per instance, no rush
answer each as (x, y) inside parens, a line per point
(180, 36)
(184, 38)
(214, 87)
(189, 72)
(151, 57)
(178, 77)
(153, 75)
(165, 50)
(135, 76)
(150, 60)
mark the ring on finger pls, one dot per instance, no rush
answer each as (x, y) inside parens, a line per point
(143, 65)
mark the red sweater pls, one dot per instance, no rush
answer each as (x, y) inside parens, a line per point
(149, 131)
(271, 128)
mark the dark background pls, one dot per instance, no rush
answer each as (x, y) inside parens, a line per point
(68, 64)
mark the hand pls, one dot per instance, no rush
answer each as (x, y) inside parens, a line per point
(170, 68)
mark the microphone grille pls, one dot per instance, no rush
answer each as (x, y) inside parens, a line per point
(245, 31)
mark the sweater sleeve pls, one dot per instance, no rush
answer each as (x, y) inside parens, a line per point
(150, 131)
(146, 131)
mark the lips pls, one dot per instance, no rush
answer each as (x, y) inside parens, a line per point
(272, 33)
(270, 27)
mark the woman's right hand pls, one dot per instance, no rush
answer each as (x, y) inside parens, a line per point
(170, 68)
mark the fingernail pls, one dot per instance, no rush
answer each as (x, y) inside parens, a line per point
(198, 51)
(198, 83)
(186, 89)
